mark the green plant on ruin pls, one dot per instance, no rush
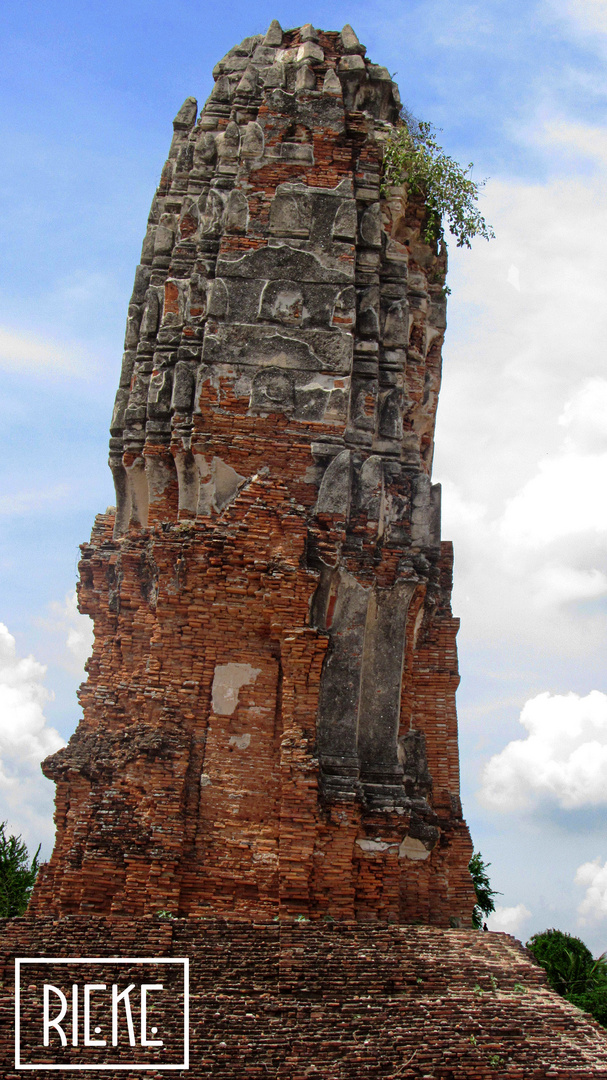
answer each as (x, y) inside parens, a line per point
(413, 156)
(17, 874)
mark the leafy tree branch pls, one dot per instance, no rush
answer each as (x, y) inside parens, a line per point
(485, 903)
(414, 157)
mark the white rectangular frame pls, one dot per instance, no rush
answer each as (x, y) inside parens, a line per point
(183, 960)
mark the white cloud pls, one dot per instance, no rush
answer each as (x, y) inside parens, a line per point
(28, 352)
(522, 436)
(556, 585)
(26, 797)
(70, 632)
(508, 920)
(514, 277)
(594, 877)
(516, 358)
(79, 627)
(563, 759)
(24, 502)
(564, 498)
(585, 417)
(576, 139)
(590, 15)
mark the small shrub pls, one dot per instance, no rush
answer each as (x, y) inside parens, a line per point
(414, 157)
(496, 1060)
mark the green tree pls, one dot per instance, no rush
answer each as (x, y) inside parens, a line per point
(414, 157)
(571, 969)
(17, 874)
(485, 903)
(593, 1001)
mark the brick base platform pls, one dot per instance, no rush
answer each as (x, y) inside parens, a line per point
(337, 1000)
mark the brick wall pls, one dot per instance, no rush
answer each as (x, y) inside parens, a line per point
(337, 1000)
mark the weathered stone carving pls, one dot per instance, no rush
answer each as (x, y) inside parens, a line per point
(269, 721)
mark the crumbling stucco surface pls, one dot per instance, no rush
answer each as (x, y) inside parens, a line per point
(227, 683)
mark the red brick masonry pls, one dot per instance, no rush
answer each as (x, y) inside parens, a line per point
(339, 1001)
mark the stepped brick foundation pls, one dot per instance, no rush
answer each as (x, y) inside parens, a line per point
(265, 779)
(340, 1001)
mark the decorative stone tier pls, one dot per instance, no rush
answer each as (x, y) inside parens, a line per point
(338, 1001)
(269, 720)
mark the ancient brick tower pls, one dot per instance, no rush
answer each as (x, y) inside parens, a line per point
(269, 740)
(269, 718)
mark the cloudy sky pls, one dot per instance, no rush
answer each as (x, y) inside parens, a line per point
(88, 93)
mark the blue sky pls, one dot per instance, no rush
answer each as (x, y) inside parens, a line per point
(88, 95)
